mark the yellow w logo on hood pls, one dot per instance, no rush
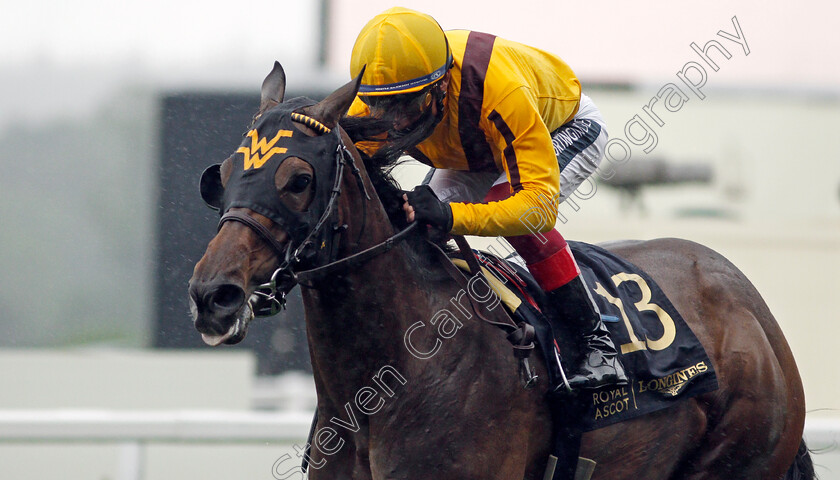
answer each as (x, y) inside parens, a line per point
(261, 150)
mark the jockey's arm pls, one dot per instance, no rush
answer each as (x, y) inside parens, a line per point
(528, 157)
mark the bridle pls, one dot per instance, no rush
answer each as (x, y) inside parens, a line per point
(270, 297)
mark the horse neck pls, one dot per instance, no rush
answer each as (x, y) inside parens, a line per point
(364, 301)
(356, 319)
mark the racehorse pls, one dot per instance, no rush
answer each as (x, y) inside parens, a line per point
(445, 402)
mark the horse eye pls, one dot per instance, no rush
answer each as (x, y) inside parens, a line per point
(299, 183)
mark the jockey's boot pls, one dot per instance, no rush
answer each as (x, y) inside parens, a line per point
(572, 305)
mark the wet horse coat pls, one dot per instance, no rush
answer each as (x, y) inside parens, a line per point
(457, 410)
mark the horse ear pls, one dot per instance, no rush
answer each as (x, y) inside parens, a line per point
(329, 110)
(273, 88)
(211, 187)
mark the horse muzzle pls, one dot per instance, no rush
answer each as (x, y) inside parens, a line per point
(221, 312)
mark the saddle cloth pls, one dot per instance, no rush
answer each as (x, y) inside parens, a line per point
(663, 359)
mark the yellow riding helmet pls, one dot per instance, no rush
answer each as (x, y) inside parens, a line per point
(402, 51)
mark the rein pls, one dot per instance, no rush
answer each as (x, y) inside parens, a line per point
(270, 297)
(353, 260)
(521, 335)
(284, 278)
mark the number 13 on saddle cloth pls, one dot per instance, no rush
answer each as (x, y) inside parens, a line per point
(663, 358)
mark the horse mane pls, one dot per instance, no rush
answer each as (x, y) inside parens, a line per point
(380, 167)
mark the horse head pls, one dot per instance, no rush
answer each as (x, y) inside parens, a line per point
(279, 199)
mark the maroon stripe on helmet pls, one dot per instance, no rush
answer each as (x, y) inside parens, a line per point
(473, 70)
(509, 153)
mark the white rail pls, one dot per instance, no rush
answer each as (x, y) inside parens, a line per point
(132, 431)
(822, 433)
(200, 426)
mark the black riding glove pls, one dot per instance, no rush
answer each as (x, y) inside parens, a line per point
(429, 210)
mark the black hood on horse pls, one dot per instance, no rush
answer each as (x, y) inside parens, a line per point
(251, 184)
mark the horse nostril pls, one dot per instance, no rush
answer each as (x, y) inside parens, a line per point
(227, 297)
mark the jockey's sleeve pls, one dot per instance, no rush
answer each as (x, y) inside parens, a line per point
(528, 158)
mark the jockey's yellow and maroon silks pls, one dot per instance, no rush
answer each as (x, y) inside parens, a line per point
(503, 100)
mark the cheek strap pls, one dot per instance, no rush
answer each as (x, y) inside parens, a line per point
(258, 228)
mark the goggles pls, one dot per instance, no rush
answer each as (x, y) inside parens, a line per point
(409, 106)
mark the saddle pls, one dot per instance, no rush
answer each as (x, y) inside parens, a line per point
(513, 287)
(663, 359)
(523, 300)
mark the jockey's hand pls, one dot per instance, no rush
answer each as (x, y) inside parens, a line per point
(423, 205)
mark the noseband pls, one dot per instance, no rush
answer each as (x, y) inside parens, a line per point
(270, 297)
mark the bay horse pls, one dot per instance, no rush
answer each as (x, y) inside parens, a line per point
(445, 402)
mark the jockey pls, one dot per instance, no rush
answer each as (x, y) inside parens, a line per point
(509, 136)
